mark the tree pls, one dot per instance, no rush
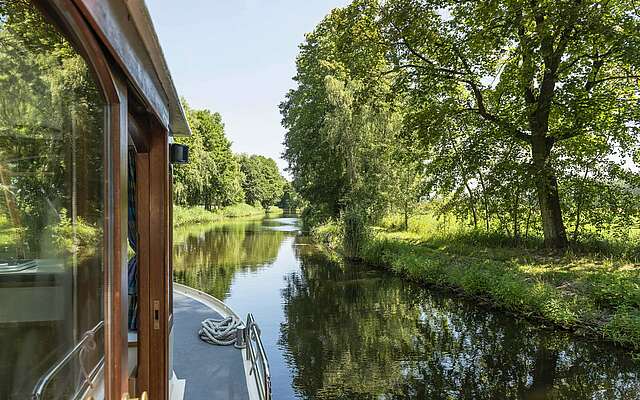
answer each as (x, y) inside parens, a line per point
(408, 180)
(546, 74)
(290, 199)
(327, 66)
(262, 182)
(343, 120)
(212, 178)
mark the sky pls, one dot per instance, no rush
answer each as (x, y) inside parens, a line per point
(237, 58)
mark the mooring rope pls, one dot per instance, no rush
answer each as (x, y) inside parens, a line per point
(220, 331)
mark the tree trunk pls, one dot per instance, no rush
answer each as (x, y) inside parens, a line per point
(516, 221)
(484, 201)
(504, 224)
(472, 204)
(576, 229)
(548, 196)
(475, 217)
(544, 372)
(406, 216)
(14, 213)
(526, 231)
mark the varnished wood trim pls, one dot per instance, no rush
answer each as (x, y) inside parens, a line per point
(117, 299)
(160, 282)
(111, 22)
(79, 33)
(144, 307)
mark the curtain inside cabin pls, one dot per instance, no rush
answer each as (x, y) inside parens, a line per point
(133, 244)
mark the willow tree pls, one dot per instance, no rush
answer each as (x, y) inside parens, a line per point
(325, 52)
(545, 73)
(212, 178)
(342, 117)
(360, 134)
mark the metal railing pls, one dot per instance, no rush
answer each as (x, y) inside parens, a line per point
(87, 343)
(258, 358)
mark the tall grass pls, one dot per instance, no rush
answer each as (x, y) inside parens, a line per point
(447, 230)
(354, 233)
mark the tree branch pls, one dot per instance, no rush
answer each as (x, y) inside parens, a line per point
(527, 69)
(611, 78)
(444, 72)
(482, 111)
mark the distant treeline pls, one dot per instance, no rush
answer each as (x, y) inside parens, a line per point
(215, 177)
(520, 117)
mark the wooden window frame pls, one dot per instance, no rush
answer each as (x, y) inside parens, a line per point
(112, 83)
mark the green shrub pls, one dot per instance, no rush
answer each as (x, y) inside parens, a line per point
(193, 215)
(624, 327)
(329, 235)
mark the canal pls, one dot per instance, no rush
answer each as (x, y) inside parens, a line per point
(335, 331)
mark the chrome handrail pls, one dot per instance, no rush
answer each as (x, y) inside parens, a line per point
(258, 358)
(86, 342)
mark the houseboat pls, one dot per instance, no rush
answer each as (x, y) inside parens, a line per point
(88, 309)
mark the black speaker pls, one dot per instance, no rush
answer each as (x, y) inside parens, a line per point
(179, 153)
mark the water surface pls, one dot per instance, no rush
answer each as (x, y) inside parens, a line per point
(335, 331)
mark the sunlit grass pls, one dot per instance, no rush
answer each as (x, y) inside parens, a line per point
(198, 215)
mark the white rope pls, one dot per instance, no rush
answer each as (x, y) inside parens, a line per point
(219, 331)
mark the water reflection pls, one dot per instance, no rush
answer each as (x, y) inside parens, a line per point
(208, 256)
(351, 332)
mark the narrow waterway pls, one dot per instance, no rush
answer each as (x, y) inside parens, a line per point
(336, 331)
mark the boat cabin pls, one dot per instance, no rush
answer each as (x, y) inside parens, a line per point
(88, 113)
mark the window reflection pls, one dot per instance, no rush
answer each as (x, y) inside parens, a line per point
(51, 205)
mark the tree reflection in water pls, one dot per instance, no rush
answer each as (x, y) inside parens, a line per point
(208, 256)
(353, 333)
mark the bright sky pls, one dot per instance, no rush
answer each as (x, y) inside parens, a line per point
(237, 58)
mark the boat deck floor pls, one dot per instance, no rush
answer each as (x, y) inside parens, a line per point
(211, 372)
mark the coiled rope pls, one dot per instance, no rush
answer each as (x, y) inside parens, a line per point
(221, 332)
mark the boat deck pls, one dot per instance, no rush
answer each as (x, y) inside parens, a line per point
(211, 372)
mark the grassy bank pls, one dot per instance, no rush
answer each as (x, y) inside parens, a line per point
(592, 293)
(198, 215)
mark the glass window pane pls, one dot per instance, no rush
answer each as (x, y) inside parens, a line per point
(51, 207)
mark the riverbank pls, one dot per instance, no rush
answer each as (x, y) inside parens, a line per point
(198, 215)
(597, 296)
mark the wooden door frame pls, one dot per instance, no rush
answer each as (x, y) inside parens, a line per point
(116, 300)
(153, 213)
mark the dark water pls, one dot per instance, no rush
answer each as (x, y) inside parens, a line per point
(351, 332)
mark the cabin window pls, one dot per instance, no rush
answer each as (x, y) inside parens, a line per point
(52, 128)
